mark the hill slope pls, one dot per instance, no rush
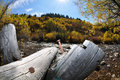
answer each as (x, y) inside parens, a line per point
(51, 27)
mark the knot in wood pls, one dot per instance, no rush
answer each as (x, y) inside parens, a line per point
(31, 70)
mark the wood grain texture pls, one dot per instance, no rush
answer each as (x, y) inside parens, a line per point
(32, 67)
(77, 64)
(8, 44)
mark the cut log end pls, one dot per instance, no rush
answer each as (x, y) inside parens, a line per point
(77, 64)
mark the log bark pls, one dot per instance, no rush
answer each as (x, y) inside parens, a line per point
(77, 64)
(8, 44)
(33, 67)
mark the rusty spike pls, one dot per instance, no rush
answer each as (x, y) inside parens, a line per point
(60, 46)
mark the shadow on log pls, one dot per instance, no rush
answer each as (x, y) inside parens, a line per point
(8, 44)
(77, 64)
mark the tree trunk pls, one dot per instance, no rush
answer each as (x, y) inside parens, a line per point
(8, 44)
(33, 67)
(77, 64)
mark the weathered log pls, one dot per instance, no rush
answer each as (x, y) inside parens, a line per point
(33, 67)
(8, 44)
(77, 64)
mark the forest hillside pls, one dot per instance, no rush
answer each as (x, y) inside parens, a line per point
(51, 27)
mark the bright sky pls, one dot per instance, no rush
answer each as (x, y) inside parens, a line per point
(39, 7)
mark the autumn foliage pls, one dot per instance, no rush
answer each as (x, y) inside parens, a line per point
(70, 30)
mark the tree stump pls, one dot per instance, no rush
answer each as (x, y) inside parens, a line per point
(8, 44)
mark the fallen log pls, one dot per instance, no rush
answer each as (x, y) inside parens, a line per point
(32, 67)
(8, 44)
(77, 64)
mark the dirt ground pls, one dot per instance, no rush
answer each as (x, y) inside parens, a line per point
(109, 68)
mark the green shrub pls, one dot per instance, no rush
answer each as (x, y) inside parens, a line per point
(116, 30)
(116, 38)
(50, 37)
(63, 36)
(107, 38)
(75, 37)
